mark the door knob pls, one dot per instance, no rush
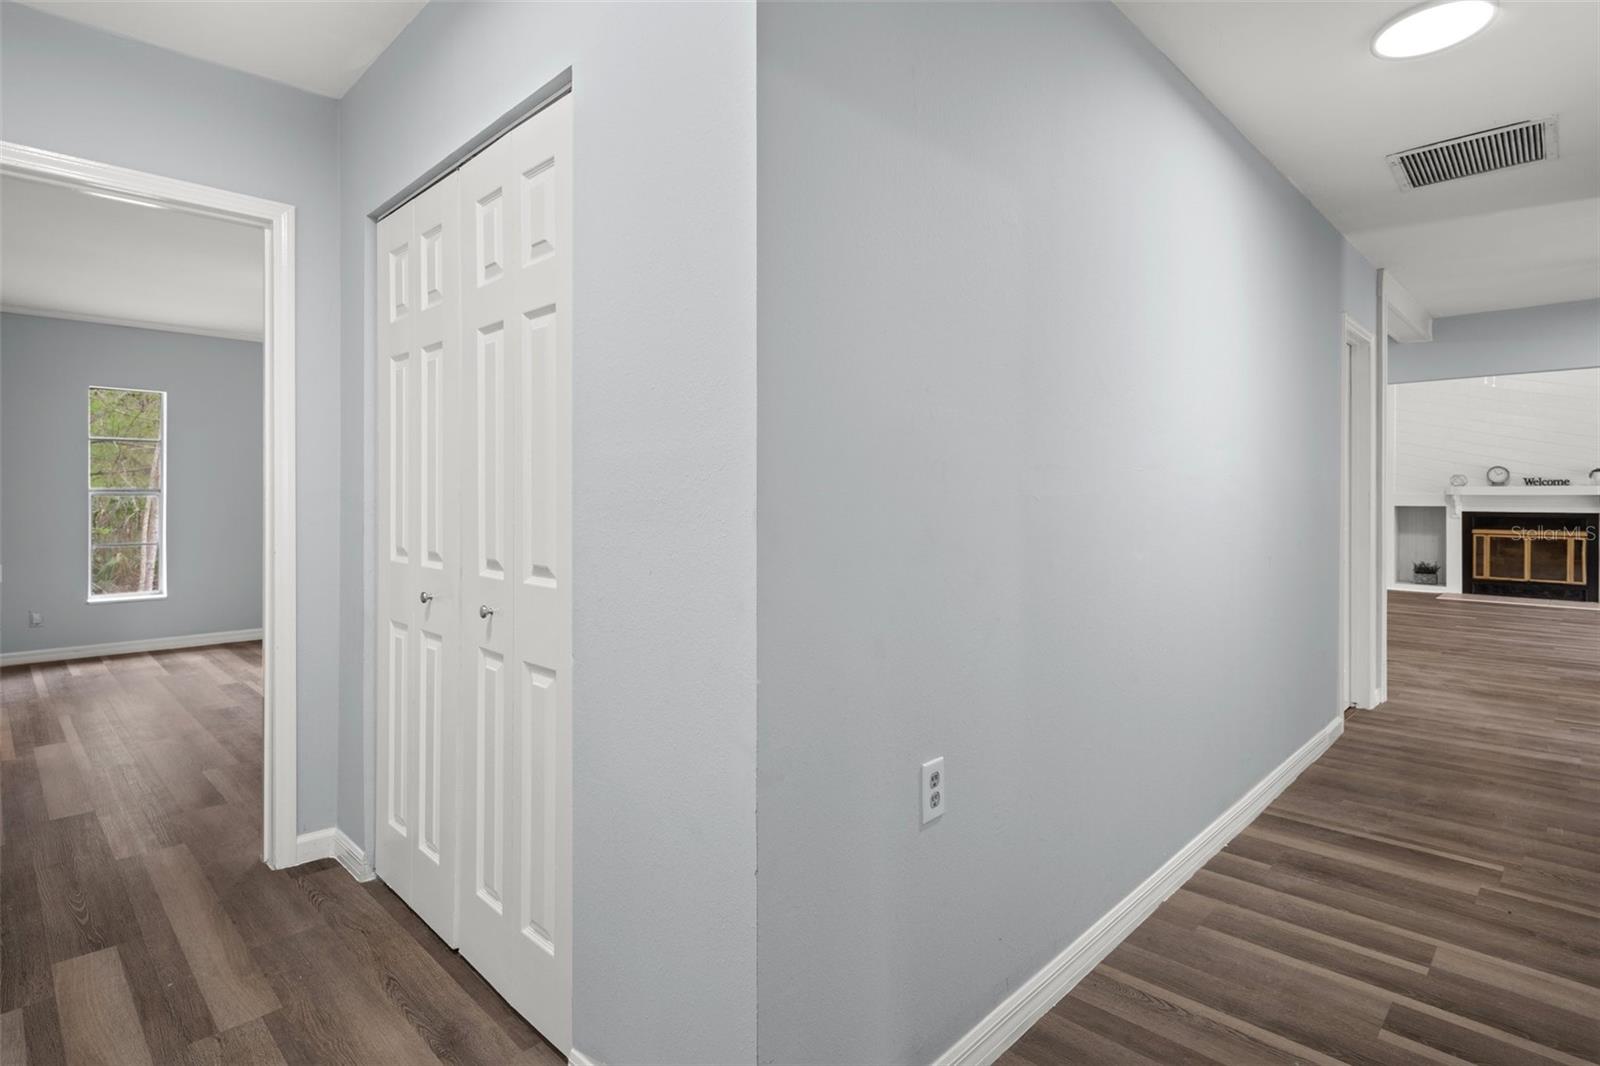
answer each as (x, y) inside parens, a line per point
(484, 610)
(427, 597)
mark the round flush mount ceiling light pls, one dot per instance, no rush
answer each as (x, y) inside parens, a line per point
(1432, 27)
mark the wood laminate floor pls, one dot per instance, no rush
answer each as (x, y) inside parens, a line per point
(1427, 892)
(137, 923)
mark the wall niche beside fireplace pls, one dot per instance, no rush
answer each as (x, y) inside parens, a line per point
(1531, 556)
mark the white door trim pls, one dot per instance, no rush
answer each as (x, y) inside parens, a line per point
(1344, 694)
(1360, 554)
(279, 819)
(1388, 291)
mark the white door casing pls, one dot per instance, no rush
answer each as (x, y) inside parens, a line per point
(419, 599)
(280, 708)
(515, 207)
(1361, 587)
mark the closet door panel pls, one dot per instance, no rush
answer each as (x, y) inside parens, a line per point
(436, 337)
(397, 585)
(419, 429)
(516, 900)
(493, 343)
(541, 150)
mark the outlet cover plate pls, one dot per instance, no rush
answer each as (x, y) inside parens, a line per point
(933, 789)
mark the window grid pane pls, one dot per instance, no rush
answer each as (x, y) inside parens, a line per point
(124, 465)
(131, 414)
(125, 520)
(125, 571)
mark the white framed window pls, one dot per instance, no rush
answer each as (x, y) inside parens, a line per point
(127, 494)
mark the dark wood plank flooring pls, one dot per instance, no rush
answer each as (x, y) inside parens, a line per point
(1427, 892)
(137, 922)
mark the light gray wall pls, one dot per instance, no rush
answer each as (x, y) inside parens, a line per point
(213, 560)
(1043, 343)
(664, 478)
(71, 89)
(1527, 340)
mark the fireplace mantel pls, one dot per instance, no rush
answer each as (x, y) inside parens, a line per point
(1574, 499)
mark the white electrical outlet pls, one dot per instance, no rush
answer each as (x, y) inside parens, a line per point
(933, 789)
(35, 619)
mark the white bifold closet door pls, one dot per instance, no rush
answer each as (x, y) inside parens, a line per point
(503, 850)
(516, 776)
(419, 533)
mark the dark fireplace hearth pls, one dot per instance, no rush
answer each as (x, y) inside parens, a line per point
(1534, 556)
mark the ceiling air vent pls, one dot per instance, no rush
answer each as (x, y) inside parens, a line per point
(1515, 145)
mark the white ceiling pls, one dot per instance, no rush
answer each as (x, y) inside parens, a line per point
(65, 252)
(1300, 81)
(321, 47)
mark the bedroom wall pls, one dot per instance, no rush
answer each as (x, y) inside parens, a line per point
(213, 557)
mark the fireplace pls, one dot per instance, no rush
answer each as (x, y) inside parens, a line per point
(1535, 556)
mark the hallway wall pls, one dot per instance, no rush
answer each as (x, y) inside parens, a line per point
(72, 89)
(1048, 466)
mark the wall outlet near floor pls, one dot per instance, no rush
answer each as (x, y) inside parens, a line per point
(933, 789)
(35, 619)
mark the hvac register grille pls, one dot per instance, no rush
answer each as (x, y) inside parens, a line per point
(1503, 147)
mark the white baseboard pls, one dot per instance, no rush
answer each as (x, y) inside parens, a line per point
(309, 847)
(352, 858)
(127, 647)
(333, 844)
(989, 1039)
(578, 1058)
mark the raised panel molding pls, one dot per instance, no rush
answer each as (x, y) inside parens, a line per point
(430, 660)
(488, 795)
(491, 449)
(431, 433)
(432, 246)
(399, 455)
(396, 809)
(538, 211)
(399, 282)
(490, 257)
(538, 806)
(540, 425)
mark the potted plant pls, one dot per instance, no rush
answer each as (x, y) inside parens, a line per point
(1425, 573)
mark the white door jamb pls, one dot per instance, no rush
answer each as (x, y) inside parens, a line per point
(276, 220)
(1361, 584)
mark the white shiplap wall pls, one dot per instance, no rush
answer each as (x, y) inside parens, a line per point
(1544, 425)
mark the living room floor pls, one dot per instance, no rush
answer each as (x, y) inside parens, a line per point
(1428, 891)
